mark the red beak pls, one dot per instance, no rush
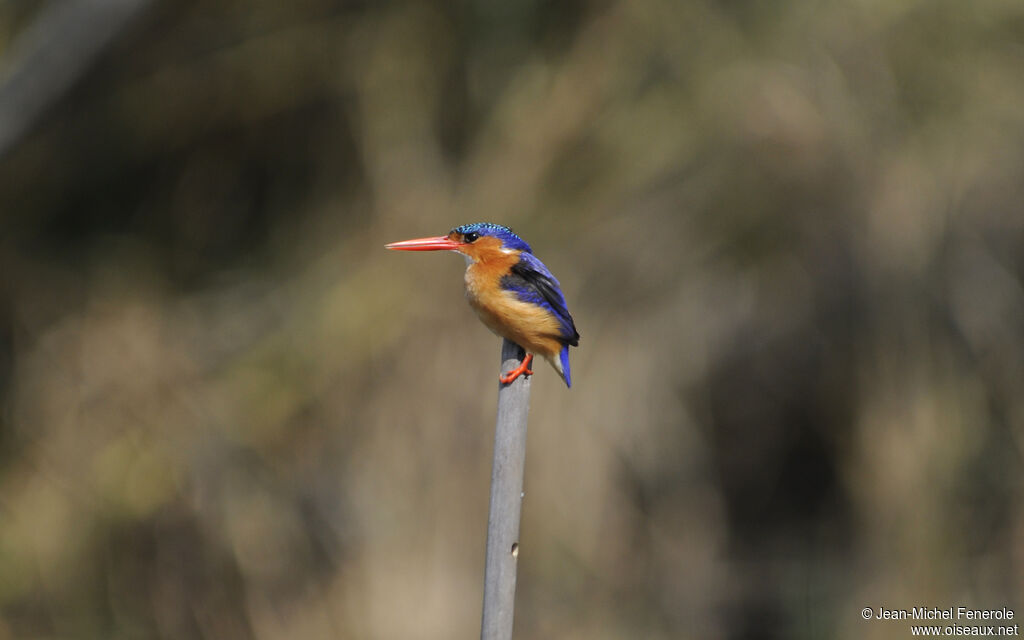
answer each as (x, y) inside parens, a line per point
(441, 243)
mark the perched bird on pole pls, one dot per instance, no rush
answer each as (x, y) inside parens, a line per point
(512, 291)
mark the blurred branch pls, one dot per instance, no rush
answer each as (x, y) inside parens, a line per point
(51, 55)
(506, 500)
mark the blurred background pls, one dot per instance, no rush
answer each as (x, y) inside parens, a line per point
(791, 235)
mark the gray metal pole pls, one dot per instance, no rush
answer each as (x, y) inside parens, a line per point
(506, 500)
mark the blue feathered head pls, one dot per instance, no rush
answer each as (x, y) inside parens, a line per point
(509, 240)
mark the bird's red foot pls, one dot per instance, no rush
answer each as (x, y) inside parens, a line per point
(524, 367)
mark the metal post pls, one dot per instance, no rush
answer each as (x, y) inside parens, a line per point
(506, 500)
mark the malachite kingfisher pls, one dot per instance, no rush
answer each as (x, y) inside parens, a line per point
(512, 291)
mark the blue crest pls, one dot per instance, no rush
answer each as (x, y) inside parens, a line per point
(509, 240)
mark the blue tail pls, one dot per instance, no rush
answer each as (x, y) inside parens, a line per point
(564, 356)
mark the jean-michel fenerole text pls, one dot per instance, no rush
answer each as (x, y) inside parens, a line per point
(949, 613)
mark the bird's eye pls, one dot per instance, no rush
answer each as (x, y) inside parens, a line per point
(471, 236)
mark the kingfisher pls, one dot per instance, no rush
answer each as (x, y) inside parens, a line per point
(512, 292)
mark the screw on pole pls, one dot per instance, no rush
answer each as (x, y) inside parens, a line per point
(506, 500)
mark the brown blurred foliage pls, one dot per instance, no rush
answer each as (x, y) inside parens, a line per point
(791, 235)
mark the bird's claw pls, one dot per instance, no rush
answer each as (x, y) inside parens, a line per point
(522, 369)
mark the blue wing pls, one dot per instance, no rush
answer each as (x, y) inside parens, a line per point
(532, 282)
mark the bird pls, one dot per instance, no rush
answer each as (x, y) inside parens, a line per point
(512, 292)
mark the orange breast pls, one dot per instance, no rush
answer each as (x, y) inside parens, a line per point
(530, 326)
